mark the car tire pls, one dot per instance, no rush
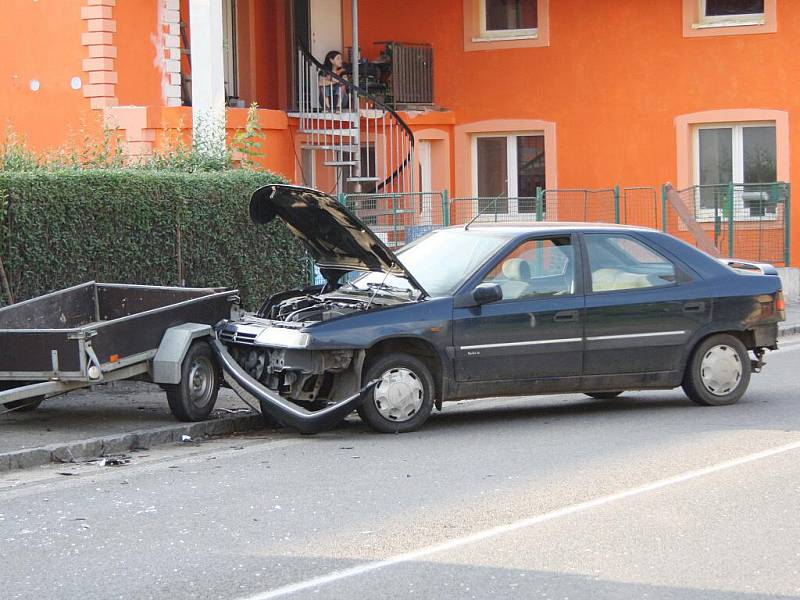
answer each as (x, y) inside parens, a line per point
(603, 395)
(194, 397)
(403, 399)
(718, 371)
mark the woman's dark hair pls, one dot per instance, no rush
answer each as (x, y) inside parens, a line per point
(327, 64)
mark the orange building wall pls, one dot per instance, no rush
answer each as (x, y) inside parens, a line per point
(42, 40)
(137, 67)
(613, 80)
(612, 89)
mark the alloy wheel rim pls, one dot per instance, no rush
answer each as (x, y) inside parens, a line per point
(721, 370)
(200, 381)
(399, 394)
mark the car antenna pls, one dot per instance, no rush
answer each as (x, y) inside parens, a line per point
(480, 212)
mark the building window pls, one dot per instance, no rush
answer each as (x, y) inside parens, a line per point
(728, 17)
(744, 155)
(506, 24)
(509, 18)
(733, 11)
(230, 66)
(508, 169)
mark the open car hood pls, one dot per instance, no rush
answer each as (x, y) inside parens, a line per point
(335, 238)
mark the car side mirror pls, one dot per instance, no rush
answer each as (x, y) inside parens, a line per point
(486, 293)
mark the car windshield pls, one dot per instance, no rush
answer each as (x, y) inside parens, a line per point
(440, 261)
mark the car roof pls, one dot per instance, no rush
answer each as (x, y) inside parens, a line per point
(513, 228)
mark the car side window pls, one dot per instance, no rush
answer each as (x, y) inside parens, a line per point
(620, 262)
(536, 269)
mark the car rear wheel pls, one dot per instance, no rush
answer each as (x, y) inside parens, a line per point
(718, 372)
(603, 395)
(403, 399)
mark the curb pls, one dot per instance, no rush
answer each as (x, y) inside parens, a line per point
(124, 442)
(787, 330)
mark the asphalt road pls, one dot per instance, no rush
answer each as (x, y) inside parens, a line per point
(646, 496)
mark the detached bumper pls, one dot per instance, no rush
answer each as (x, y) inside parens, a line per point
(278, 407)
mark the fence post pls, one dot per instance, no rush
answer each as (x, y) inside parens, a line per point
(539, 203)
(787, 227)
(445, 209)
(394, 199)
(664, 207)
(616, 204)
(730, 220)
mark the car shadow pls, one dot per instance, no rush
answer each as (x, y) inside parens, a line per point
(671, 407)
(443, 580)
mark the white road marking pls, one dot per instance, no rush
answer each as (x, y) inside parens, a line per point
(517, 525)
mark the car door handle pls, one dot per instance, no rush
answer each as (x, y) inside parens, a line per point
(566, 315)
(694, 307)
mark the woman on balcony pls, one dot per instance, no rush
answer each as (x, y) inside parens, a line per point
(332, 92)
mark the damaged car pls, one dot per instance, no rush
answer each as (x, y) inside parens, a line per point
(492, 310)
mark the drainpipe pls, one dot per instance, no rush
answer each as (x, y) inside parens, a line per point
(355, 56)
(208, 77)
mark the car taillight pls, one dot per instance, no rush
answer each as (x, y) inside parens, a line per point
(780, 305)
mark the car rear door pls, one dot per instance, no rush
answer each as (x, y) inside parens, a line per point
(642, 307)
(536, 330)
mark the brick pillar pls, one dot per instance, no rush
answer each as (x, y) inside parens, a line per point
(99, 41)
(170, 13)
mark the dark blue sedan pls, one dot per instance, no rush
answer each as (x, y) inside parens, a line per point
(493, 310)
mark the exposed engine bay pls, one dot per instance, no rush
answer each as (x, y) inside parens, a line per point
(272, 344)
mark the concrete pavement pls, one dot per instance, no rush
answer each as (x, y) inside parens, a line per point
(111, 420)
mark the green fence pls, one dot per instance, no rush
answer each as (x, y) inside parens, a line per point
(747, 221)
(400, 218)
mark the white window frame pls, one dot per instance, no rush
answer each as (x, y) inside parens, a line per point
(512, 170)
(503, 34)
(230, 50)
(727, 20)
(737, 167)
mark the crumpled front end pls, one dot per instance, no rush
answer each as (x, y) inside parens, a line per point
(280, 408)
(305, 388)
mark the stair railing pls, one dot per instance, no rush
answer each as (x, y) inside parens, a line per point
(341, 118)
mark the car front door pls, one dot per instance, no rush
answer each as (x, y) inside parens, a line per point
(641, 309)
(536, 330)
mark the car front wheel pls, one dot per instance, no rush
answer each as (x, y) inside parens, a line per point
(718, 372)
(403, 399)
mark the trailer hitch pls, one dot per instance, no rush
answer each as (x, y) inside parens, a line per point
(280, 408)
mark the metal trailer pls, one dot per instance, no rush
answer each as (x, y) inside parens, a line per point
(101, 332)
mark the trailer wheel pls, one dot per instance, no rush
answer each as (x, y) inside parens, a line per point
(24, 405)
(193, 398)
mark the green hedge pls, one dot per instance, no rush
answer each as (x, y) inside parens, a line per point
(64, 227)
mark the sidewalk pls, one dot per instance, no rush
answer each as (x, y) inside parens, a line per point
(792, 324)
(111, 420)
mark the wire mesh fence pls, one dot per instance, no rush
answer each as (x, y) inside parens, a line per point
(747, 221)
(398, 219)
(640, 206)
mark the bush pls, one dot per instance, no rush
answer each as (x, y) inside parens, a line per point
(65, 226)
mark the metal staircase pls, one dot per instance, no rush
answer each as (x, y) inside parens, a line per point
(365, 140)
